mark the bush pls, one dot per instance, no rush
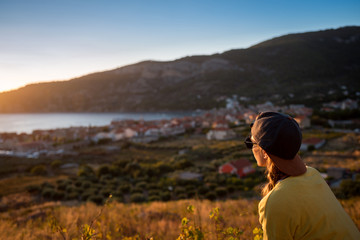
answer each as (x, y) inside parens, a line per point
(137, 190)
(125, 188)
(154, 192)
(38, 170)
(183, 164)
(231, 188)
(212, 186)
(86, 184)
(33, 188)
(72, 196)
(88, 193)
(221, 191)
(86, 171)
(154, 198)
(70, 188)
(311, 148)
(191, 194)
(350, 188)
(47, 193)
(61, 186)
(203, 190)
(137, 198)
(47, 185)
(142, 185)
(103, 170)
(210, 195)
(59, 195)
(165, 196)
(98, 199)
(118, 199)
(182, 196)
(179, 191)
(78, 183)
(105, 192)
(55, 164)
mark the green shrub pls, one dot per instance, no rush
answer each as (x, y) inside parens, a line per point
(181, 196)
(142, 185)
(58, 195)
(154, 192)
(137, 190)
(165, 196)
(78, 183)
(221, 191)
(203, 190)
(350, 188)
(137, 198)
(105, 192)
(88, 193)
(153, 186)
(125, 188)
(210, 195)
(55, 164)
(118, 199)
(47, 193)
(98, 199)
(212, 186)
(179, 191)
(311, 148)
(38, 170)
(71, 196)
(230, 188)
(61, 186)
(33, 188)
(70, 188)
(183, 164)
(105, 178)
(47, 185)
(154, 198)
(86, 184)
(86, 171)
(191, 194)
(190, 188)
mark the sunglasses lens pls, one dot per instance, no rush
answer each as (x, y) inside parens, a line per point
(248, 143)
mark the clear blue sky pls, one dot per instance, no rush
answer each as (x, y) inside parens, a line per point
(46, 40)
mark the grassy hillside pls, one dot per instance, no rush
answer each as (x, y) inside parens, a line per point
(307, 65)
(159, 220)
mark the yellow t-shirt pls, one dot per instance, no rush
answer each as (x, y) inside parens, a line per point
(304, 207)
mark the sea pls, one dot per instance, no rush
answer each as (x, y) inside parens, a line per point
(26, 123)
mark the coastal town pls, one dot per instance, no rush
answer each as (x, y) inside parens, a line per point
(217, 124)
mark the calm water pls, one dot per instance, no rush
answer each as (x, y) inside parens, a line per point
(28, 122)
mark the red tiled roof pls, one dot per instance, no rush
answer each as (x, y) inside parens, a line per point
(241, 163)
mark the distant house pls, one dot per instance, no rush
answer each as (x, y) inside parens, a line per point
(241, 168)
(220, 134)
(303, 121)
(117, 134)
(315, 142)
(101, 135)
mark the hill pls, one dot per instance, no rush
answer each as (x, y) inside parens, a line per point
(297, 68)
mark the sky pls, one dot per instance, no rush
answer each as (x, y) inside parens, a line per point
(52, 40)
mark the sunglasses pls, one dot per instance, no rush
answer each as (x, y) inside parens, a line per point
(249, 144)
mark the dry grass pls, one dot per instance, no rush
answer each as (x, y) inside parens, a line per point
(17, 184)
(158, 219)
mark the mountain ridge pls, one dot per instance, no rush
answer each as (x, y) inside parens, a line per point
(304, 65)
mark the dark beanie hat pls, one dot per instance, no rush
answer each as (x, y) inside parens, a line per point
(278, 134)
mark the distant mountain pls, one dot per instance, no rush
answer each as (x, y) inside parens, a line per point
(296, 68)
